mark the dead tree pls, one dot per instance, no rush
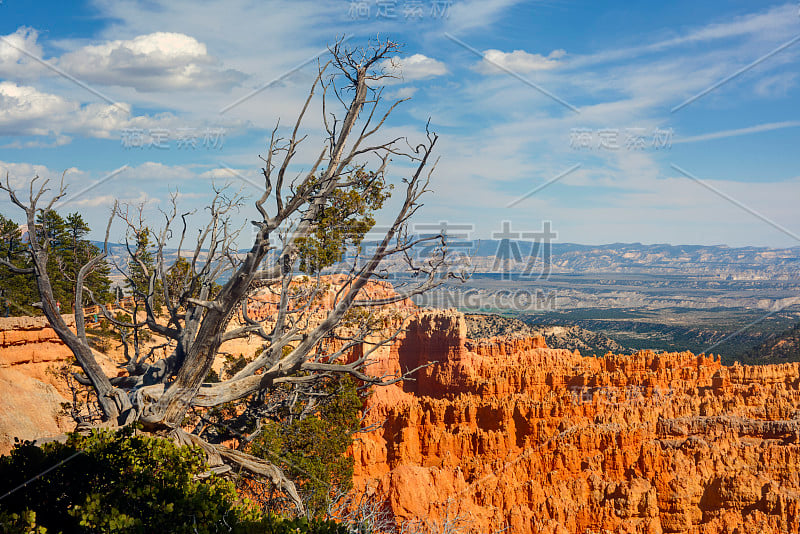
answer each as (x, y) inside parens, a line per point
(196, 316)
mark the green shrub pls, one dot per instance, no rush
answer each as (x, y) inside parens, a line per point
(277, 525)
(312, 449)
(126, 482)
(116, 482)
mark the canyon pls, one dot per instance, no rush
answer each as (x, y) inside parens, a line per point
(506, 434)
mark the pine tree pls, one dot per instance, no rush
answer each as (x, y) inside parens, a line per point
(77, 252)
(53, 234)
(17, 291)
(141, 267)
(68, 250)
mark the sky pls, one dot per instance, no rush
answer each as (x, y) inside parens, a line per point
(653, 122)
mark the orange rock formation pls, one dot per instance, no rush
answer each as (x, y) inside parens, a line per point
(510, 434)
(30, 397)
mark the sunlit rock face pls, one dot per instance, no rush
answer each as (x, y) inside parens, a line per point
(509, 433)
(30, 394)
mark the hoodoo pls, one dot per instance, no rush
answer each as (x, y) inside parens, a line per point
(507, 433)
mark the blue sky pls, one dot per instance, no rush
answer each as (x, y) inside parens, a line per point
(670, 122)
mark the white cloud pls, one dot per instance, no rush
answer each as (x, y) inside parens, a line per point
(105, 201)
(60, 140)
(777, 22)
(263, 46)
(13, 61)
(509, 140)
(225, 174)
(24, 110)
(773, 26)
(776, 86)
(403, 92)
(415, 67)
(471, 14)
(518, 61)
(739, 131)
(160, 61)
(21, 173)
(147, 183)
(166, 174)
(152, 62)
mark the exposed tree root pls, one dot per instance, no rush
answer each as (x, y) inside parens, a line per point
(222, 459)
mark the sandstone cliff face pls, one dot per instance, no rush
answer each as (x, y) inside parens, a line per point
(25, 340)
(511, 434)
(31, 391)
(30, 402)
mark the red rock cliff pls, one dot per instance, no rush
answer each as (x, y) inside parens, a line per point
(31, 398)
(511, 434)
(31, 393)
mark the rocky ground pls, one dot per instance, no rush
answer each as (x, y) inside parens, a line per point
(570, 337)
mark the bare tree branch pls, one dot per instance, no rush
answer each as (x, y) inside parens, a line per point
(188, 303)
